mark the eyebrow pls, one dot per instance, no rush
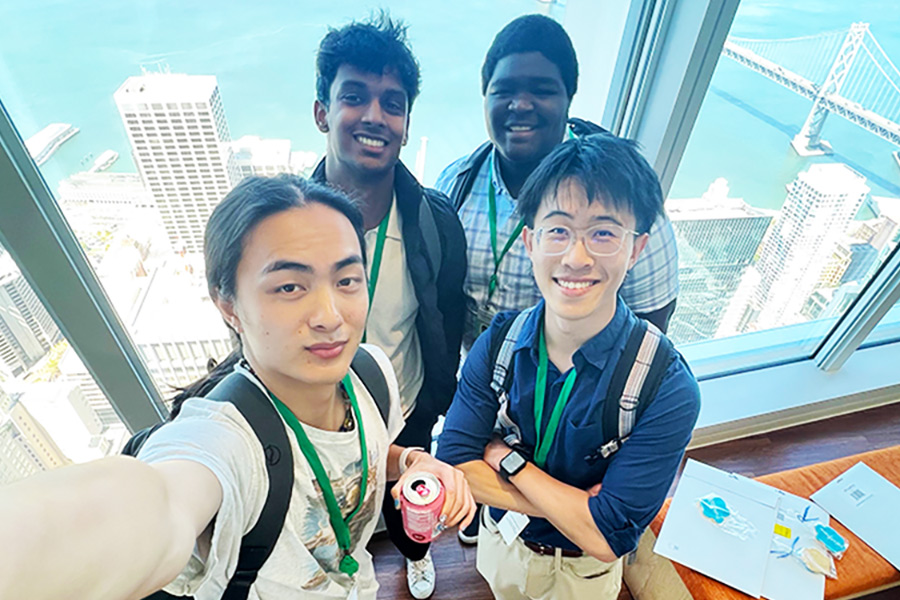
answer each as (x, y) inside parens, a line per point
(595, 218)
(527, 78)
(289, 265)
(362, 85)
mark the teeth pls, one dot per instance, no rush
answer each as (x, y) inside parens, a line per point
(367, 141)
(520, 128)
(574, 285)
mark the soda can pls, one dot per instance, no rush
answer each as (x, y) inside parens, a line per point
(421, 501)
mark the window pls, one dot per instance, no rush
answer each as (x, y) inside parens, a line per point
(783, 210)
(52, 412)
(145, 250)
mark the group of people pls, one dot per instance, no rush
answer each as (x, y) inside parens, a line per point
(544, 258)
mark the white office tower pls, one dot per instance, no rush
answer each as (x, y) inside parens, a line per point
(27, 331)
(254, 155)
(717, 237)
(103, 201)
(180, 144)
(820, 205)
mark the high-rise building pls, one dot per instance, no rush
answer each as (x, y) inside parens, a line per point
(254, 155)
(32, 448)
(27, 331)
(181, 146)
(717, 239)
(820, 205)
(102, 200)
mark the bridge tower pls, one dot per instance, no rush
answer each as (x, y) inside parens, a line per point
(809, 141)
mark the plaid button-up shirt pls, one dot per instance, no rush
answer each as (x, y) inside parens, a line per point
(650, 285)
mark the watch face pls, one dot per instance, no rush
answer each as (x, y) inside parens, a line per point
(512, 463)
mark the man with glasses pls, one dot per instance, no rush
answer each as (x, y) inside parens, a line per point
(568, 501)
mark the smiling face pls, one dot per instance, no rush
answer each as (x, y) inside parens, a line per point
(366, 121)
(577, 285)
(526, 107)
(301, 300)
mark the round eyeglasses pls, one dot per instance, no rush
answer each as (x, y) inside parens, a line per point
(601, 240)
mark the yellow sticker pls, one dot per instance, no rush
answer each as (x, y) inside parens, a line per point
(782, 530)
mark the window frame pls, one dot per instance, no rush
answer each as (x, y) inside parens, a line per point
(38, 237)
(764, 386)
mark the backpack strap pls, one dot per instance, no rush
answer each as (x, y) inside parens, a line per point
(428, 227)
(465, 179)
(369, 371)
(257, 544)
(136, 441)
(502, 345)
(634, 384)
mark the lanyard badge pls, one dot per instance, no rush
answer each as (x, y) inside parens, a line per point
(339, 523)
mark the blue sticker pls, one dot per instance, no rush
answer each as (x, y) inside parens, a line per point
(714, 508)
(831, 539)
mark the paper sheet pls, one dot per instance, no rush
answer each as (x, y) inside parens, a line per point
(866, 504)
(696, 542)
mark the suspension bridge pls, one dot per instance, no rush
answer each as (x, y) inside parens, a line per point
(845, 72)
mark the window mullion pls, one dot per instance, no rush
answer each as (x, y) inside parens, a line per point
(34, 231)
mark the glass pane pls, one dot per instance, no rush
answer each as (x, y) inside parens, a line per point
(141, 120)
(787, 198)
(51, 411)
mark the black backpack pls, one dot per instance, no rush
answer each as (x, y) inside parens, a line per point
(634, 384)
(465, 179)
(257, 544)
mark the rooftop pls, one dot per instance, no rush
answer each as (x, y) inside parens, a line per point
(166, 87)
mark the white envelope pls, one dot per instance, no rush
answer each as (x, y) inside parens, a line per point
(866, 503)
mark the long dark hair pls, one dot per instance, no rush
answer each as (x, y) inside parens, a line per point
(251, 201)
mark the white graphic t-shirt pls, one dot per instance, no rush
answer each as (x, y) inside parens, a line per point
(304, 562)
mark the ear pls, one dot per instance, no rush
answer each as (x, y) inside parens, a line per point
(320, 114)
(528, 240)
(228, 312)
(640, 242)
(405, 131)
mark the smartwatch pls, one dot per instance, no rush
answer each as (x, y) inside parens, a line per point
(511, 464)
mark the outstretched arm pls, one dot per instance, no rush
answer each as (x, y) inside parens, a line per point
(112, 528)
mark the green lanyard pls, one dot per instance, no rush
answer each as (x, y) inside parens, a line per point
(376, 260)
(339, 523)
(543, 440)
(492, 219)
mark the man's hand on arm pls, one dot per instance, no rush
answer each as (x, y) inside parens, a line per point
(565, 506)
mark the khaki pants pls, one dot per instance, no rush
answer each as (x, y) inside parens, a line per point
(515, 572)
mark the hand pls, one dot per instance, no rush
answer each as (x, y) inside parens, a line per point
(594, 489)
(494, 452)
(459, 505)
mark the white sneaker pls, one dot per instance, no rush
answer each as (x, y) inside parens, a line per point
(420, 577)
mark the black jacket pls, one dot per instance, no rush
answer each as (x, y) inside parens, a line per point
(439, 290)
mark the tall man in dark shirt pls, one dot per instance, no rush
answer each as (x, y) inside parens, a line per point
(367, 80)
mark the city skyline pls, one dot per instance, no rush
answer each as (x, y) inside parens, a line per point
(809, 266)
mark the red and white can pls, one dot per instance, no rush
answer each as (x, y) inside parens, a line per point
(421, 501)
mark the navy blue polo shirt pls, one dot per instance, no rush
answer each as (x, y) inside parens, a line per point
(635, 479)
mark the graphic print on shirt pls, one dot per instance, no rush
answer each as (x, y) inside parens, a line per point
(316, 531)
